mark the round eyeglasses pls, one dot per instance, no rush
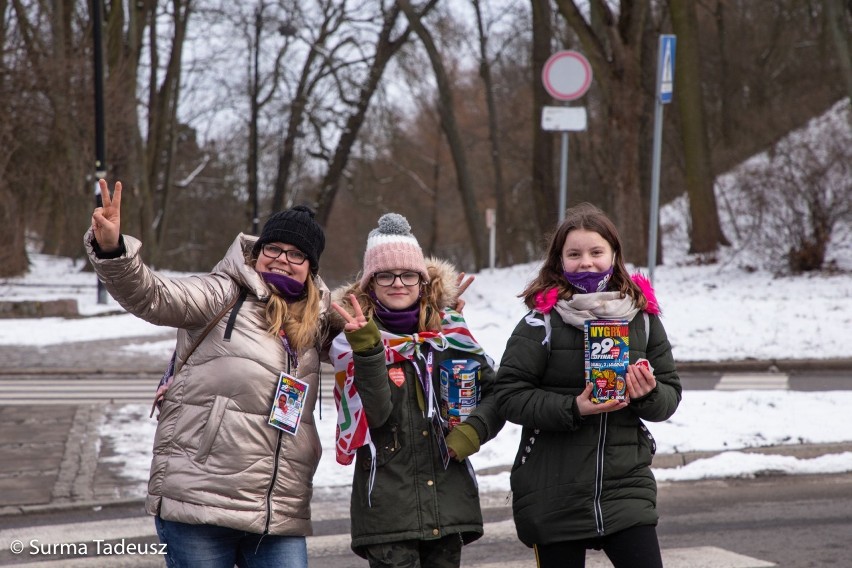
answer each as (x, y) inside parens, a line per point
(294, 256)
(385, 279)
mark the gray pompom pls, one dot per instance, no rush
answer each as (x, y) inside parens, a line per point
(394, 224)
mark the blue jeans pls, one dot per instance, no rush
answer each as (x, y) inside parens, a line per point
(209, 546)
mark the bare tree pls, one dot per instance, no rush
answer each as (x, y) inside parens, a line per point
(475, 225)
(838, 23)
(493, 126)
(614, 49)
(385, 48)
(706, 232)
(143, 161)
(543, 187)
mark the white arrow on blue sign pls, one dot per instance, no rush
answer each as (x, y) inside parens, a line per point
(665, 67)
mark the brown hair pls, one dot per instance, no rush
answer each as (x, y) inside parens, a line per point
(587, 217)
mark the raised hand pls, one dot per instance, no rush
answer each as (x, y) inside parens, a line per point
(355, 322)
(463, 285)
(106, 220)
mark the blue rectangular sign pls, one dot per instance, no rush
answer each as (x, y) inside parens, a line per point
(665, 68)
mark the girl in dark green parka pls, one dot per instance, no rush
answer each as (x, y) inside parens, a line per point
(409, 507)
(582, 476)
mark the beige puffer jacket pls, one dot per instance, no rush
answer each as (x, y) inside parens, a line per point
(216, 460)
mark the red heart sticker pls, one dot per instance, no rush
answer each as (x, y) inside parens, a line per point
(397, 375)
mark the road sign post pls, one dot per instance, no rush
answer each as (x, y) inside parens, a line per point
(665, 93)
(566, 76)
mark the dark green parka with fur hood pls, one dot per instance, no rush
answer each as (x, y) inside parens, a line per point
(577, 477)
(413, 497)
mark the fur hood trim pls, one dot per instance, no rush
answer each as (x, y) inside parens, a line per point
(443, 289)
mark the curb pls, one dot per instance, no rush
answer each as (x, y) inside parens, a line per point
(766, 366)
(20, 510)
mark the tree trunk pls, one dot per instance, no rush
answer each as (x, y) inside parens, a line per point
(385, 49)
(507, 258)
(615, 54)
(446, 107)
(125, 159)
(543, 180)
(706, 234)
(162, 129)
(304, 89)
(837, 20)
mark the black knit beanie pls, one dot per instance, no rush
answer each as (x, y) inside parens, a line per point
(295, 227)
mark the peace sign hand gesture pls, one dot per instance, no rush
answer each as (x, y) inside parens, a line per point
(353, 323)
(106, 220)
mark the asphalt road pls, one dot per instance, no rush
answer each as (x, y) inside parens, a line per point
(790, 521)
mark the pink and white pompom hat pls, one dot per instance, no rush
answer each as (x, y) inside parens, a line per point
(392, 247)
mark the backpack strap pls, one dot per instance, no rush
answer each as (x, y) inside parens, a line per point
(175, 364)
(231, 320)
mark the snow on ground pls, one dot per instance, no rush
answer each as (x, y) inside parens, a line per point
(716, 312)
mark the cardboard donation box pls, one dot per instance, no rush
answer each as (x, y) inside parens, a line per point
(460, 389)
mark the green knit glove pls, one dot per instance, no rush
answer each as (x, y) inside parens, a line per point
(463, 440)
(364, 339)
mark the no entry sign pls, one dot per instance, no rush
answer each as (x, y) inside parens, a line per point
(567, 75)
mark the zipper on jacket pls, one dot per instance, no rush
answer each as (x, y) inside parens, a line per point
(272, 484)
(599, 465)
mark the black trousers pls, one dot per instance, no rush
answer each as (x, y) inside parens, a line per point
(636, 547)
(443, 552)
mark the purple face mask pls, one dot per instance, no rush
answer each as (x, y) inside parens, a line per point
(289, 289)
(589, 282)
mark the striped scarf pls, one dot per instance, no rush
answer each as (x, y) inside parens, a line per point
(352, 429)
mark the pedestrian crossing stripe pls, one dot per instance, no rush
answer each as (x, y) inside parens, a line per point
(754, 381)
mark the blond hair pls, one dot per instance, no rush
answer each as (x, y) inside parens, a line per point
(299, 320)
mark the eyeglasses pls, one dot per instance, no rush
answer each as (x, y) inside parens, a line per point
(294, 256)
(385, 279)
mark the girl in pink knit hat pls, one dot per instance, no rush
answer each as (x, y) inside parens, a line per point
(414, 494)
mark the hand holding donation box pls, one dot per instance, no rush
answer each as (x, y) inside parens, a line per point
(461, 389)
(607, 354)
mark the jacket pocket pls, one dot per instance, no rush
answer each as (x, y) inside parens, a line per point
(214, 421)
(387, 444)
(528, 439)
(646, 439)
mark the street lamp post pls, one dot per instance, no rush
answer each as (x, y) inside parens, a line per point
(100, 144)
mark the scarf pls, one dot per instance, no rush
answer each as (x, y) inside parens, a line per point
(397, 321)
(581, 307)
(352, 429)
(288, 288)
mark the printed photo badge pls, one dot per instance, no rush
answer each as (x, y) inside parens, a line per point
(290, 397)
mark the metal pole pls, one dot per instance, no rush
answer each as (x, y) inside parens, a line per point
(492, 245)
(100, 144)
(563, 177)
(654, 214)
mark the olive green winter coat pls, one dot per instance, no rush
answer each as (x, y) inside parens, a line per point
(580, 477)
(413, 496)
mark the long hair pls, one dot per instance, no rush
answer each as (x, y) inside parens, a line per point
(587, 217)
(299, 320)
